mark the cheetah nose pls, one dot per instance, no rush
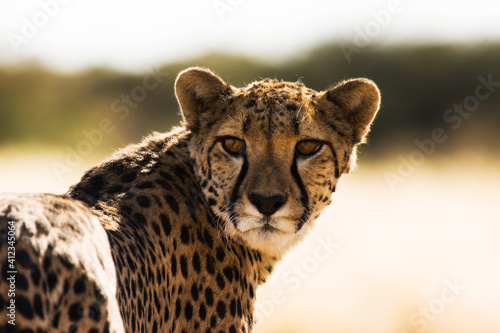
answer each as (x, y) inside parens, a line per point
(267, 205)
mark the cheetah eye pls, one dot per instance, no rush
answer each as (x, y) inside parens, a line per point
(308, 147)
(233, 145)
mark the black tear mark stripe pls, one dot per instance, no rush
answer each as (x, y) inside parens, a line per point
(335, 160)
(234, 194)
(304, 197)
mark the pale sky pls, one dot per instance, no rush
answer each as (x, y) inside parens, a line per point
(132, 35)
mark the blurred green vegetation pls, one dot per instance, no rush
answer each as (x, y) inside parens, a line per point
(419, 83)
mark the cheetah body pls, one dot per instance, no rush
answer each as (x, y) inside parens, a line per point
(176, 233)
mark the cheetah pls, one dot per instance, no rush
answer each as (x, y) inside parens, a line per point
(176, 233)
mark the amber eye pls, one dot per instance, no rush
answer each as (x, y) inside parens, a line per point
(233, 145)
(308, 147)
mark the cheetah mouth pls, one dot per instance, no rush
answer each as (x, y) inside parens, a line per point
(262, 226)
(269, 234)
(264, 230)
(268, 228)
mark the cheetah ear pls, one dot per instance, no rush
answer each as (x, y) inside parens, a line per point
(201, 95)
(351, 107)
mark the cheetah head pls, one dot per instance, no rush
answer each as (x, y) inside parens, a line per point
(269, 156)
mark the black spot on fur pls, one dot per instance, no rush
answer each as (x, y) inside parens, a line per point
(96, 183)
(95, 312)
(220, 281)
(228, 273)
(188, 311)
(68, 264)
(196, 262)
(23, 258)
(79, 286)
(128, 177)
(156, 229)
(165, 222)
(21, 282)
(37, 303)
(208, 238)
(51, 281)
(55, 320)
(157, 302)
(291, 106)
(143, 201)
(209, 296)
(66, 286)
(210, 264)
(185, 234)
(232, 307)
(221, 309)
(140, 218)
(163, 184)
(202, 312)
(23, 305)
(173, 264)
(172, 203)
(184, 266)
(75, 312)
(240, 309)
(98, 294)
(114, 189)
(220, 254)
(194, 292)
(46, 263)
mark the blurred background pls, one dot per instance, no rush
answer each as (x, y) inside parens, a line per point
(411, 240)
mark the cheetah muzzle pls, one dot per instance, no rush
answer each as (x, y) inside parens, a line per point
(175, 234)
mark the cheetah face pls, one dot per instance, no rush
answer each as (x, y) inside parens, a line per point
(269, 156)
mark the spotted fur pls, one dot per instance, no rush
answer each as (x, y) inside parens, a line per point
(63, 277)
(192, 228)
